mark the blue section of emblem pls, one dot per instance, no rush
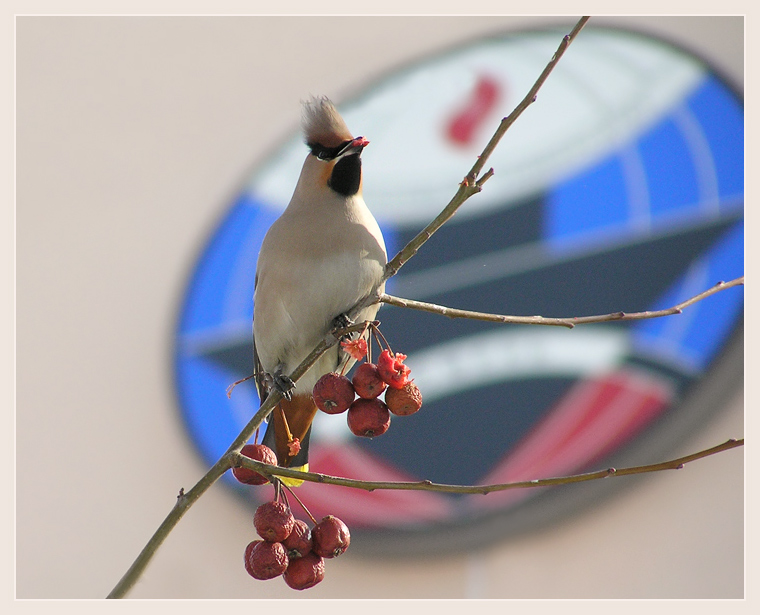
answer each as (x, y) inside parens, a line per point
(241, 231)
(721, 118)
(202, 386)
(603, 183)
(687, 166)
(664, 150)
(218, 311)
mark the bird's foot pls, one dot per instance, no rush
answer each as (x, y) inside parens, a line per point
(283, 383)
(340, 322)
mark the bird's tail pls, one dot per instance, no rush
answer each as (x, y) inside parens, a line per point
(288, 433)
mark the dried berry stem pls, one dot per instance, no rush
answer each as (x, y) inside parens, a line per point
(379, 336)
(345, 365)
(279, 494)
(306, 510)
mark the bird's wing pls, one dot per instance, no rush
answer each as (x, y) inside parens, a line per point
(259, 375)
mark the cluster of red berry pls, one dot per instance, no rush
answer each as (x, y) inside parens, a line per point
(368, 415)
(288, 548)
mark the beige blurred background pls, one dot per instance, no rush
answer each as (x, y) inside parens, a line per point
(133, 136)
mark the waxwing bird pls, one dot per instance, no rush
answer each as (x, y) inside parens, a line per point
(318, 259)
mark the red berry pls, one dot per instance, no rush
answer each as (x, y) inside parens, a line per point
(330, 537)
(259, 452)
(305, 572)
(298, 543)
(265, 560)
(392, 369)
(367, 381)
(273, 521)
(333, 393)
(368, 417)
(404, 401)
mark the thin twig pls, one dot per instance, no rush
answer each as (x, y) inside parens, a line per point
(528, 100)
(426, 485)
(472, 184)
(555, 322)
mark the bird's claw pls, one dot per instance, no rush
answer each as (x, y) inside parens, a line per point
(283, 384)
(341, 321)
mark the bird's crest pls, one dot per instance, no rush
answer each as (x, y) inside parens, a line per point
(323, 124)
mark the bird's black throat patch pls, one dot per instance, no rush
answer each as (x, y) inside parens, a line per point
(347, 175)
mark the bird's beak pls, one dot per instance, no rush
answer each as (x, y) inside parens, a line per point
(354, 147)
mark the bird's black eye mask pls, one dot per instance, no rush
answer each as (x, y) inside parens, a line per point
(328, 153)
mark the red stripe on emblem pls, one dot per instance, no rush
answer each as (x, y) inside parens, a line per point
(593, 418)
(358, 508)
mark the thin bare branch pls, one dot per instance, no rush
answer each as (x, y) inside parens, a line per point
(426, 485)
(471, 184)
(555, 322)
(528, 100)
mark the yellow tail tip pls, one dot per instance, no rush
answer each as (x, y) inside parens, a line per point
(295, 482)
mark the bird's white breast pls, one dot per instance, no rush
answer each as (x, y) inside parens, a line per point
(316, 262)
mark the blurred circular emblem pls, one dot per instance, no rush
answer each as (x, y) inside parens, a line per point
(621, 189)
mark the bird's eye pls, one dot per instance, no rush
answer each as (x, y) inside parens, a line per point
(321, 152)
(327, 153)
